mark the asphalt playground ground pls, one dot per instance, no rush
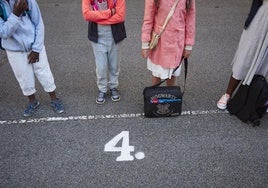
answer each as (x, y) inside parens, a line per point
(114, 145)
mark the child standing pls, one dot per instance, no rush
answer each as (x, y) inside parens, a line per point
(105, 31)
(22, 33)
(251, 56)
(175, 42)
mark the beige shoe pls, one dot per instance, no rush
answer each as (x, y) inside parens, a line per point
(222, 103)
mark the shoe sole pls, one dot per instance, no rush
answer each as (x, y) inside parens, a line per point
(59, 112)
(35, 107)
(100, 102)
(115, 100)
(221, 107)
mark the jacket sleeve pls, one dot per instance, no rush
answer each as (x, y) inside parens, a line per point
(36, 19)
(120, 14)
(190, 25)
(94, 16)
(104, 16)
(7, 28)
(148, 20)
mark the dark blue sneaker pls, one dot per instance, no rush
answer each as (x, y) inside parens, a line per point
(30, 109)
(115, 96)
(57, 106)
(101, 98)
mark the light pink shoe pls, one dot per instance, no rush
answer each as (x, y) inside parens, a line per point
(222, 103)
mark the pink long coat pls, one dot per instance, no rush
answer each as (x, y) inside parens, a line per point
(179, 32)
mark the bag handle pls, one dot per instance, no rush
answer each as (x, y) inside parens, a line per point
(185, 75)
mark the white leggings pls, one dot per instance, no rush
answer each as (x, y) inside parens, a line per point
(25, 73)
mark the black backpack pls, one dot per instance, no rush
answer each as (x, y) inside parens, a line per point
(250, 102)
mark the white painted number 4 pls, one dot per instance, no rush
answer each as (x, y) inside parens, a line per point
(125, 149)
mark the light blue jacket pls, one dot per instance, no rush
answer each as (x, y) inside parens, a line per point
(24, 33)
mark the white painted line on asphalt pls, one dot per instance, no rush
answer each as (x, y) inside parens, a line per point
(94, 117)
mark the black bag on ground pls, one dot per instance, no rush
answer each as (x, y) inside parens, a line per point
(250, 102)
(163, 101)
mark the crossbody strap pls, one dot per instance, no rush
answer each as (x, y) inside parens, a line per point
(185, 75)
(171, 12)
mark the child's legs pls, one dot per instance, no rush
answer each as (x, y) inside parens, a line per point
(43, 72)
(114, 65)
(232, 85)
(23, 71)
(155, 80)
(171, 81)
(101, 61)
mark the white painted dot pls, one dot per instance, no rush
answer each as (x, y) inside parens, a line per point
(139, 155)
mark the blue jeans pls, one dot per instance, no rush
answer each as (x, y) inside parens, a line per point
(106, 54)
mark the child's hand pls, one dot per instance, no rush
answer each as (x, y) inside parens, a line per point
(113, 11)
(144, 53)
(33, 57)
(20, 7)
(186, 53)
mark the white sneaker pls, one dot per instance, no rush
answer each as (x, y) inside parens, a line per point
(222, 103)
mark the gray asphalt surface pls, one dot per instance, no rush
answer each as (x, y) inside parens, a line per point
(202, 148)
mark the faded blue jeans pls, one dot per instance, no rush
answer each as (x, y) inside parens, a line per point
(106, 54)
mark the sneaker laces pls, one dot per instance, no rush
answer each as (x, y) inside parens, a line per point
(29, 108)
(224, 99)
(101, 95)
(57, 103)
(32, 105)
(115, 92)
